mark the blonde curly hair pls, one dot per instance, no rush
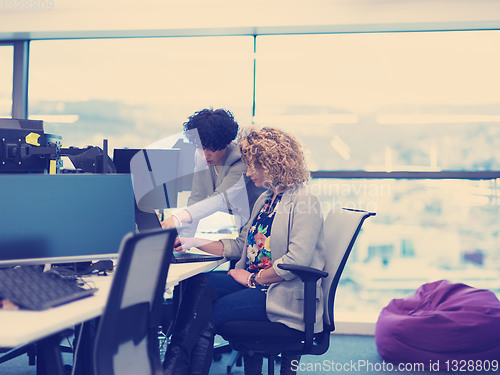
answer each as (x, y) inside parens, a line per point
(278, 154)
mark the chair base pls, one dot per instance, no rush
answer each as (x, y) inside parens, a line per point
(236, 358)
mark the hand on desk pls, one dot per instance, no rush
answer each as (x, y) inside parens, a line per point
(186, 243)
(182, 244)
(209, 246)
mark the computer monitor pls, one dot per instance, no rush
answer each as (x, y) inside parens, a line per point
(122, 157)
(155, 176)
(63, 218)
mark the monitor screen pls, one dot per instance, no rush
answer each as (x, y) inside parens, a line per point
(155, 176)
(63, 218)
(122, 158)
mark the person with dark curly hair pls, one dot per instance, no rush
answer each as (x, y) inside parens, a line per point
(219, 182)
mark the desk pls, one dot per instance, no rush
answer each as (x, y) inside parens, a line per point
(21, 326)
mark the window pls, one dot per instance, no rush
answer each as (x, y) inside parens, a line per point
(423, 102)
(424, 231)
(386, 101)
(6, 71)
(136, 91)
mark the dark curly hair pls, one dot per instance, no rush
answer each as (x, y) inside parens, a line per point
(216, 128)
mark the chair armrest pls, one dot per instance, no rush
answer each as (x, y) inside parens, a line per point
(305, 273)
(309, 277)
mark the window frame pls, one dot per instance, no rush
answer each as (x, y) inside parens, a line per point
(19, 77)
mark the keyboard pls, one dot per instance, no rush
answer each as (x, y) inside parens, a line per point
(32, 289)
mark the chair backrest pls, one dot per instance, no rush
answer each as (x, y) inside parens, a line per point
(341, 229)
(127, 337)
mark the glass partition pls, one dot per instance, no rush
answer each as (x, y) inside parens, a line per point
(424, 231)
(136, 91)
(385, 101)
(414, 102)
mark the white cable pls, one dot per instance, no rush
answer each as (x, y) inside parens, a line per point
(75, 350)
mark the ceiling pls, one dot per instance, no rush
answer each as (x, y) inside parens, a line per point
(131, 18)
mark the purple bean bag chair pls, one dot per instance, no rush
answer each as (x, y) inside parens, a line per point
(442, 326)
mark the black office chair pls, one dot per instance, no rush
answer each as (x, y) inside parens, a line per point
(271, 339)
(127, 337)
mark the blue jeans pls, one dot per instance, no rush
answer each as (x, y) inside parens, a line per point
(236, 302)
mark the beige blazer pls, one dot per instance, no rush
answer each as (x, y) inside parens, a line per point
(297, 238)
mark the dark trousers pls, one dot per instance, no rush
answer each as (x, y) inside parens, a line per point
(235, 301)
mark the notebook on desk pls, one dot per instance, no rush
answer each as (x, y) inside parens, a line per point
(149, 221)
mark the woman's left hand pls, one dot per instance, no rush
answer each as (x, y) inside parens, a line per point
(241, 276)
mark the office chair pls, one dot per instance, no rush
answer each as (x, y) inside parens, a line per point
(341, 228)
(127, 337)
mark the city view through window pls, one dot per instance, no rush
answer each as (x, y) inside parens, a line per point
(424, 231)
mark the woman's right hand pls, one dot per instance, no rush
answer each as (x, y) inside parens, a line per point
(183, 244)
(209, 246)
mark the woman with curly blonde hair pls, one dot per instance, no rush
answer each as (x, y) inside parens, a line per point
(286, 226)
(278, 154)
